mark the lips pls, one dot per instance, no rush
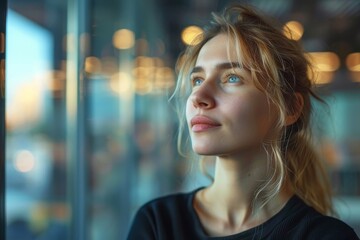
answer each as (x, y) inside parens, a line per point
(203, 123)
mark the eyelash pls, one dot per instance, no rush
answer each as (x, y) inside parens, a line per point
(227, 76)
(194, 79)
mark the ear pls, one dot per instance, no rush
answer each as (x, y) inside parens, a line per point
(295, 110)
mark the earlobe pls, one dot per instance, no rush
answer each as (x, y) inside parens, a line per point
(296, 110)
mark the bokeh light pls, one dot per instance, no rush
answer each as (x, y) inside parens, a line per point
(191, 35)
(24, 161)
(121, 83)
(353, 62)
(353, 65)
(124, 39)
(324, 65)
(293, 30)
(2, 42)
(92, 65)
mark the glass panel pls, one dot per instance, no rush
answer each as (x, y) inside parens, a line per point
(132, 127)
(3, 10)
(36, 168)
(89, 128)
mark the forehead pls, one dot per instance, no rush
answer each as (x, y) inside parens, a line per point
(220, 48)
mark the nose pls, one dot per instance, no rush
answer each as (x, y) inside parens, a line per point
(203, 97)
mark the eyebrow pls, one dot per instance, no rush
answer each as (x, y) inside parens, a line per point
(225, 65)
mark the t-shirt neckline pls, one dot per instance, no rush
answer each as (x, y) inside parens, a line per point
(263, 229)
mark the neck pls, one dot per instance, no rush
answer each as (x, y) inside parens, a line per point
(236, 182)
(238, 179)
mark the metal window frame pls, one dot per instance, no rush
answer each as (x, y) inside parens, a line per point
(76, 98)
(3, 13)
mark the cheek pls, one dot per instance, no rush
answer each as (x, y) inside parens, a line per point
(188, 110)
(264, 116)
(254, 112)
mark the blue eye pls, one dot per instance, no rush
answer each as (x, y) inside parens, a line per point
(233, 79)
(197, 81)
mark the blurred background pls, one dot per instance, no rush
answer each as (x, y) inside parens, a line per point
(90, 135)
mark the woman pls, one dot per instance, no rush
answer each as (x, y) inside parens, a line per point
(247, 96)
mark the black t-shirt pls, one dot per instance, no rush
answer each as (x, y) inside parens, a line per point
(173, 217)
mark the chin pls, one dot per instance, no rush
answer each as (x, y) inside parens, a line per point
(204, 151)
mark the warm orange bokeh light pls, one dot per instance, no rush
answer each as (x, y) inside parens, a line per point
(353, 62)
(293, 30)
(190, 35)
(324, 65)
(2, 42)
(121, 83)
(92, 65)
(124, 39)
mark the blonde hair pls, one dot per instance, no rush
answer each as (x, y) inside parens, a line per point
(279, 68)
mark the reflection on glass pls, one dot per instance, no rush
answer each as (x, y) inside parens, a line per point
(34, 176)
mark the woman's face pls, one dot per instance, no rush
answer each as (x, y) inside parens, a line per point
(226, 114)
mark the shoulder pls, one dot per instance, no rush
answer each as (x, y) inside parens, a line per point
(326, 227)
(313, 225)
(161, 216)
